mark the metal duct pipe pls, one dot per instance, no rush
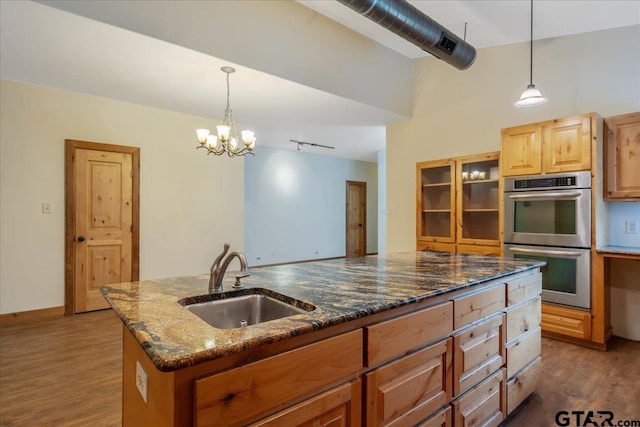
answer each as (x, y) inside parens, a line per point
(411, 24)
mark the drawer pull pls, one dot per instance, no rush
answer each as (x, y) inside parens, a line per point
(228, 398)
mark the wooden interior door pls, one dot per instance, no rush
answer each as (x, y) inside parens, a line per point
(102, 221)
(356, 219)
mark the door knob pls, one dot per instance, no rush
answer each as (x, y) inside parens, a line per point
(80, 239)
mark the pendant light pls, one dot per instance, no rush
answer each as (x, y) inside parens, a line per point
(531, 96)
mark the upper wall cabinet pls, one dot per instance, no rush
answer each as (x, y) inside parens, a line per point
(622, 157)
(560, 145)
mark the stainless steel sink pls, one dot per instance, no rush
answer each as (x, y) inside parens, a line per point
(236, 311)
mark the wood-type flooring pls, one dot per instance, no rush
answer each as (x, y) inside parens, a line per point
(67, 372)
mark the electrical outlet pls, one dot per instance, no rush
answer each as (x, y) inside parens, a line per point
(631, 227)
(46, 207)
(141, 381)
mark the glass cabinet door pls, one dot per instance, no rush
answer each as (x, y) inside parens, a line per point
(435, 201)
(479, 200)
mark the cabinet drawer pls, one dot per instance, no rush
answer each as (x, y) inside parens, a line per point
(410, 389)
(522, 318)
(340, 406)
(566, 321)
(523, 350)
(475, 306)
(522, 289)
(440, 419)
(523, 383)
(241, 394)
(396, 337)
(483, 405)
(477, 352)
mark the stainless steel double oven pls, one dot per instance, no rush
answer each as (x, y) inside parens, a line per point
(548, 218)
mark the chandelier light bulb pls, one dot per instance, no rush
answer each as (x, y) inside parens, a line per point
(202, 135)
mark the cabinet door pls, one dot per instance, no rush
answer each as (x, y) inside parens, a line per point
(435, 200)
(409, 390)
(478, 200)
(521, 150)
(622, 157)
(338, 407)
(566, 145)
(483, 405)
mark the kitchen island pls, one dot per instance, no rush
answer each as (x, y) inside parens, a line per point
(409, 338)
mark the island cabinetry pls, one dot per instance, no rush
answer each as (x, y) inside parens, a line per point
(622, 157)
(483, 405)
(553, 146)
(240, 395)
(414, 385)
(523, 338)
(458, 204)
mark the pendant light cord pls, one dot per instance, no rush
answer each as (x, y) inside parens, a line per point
(531, 48)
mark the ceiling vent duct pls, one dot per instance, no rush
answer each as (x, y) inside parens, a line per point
(414, 26)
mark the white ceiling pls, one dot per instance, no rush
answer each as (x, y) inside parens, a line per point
(50, 47)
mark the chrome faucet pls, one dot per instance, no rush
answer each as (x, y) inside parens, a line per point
(217, 270)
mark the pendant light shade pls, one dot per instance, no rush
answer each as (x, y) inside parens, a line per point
(531, 96)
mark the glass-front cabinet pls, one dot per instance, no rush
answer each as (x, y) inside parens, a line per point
(478, 202)
(458, 204)
(436, 201)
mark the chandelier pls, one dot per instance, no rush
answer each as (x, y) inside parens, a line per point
(226, 140)
(531, 96)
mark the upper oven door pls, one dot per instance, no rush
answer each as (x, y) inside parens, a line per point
(548, 217)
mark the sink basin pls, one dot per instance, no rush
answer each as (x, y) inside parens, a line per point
(234, 310)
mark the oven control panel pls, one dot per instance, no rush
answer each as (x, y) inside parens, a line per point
(548, 182)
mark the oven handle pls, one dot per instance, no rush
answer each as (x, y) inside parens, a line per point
(547, 196)
(571, 254)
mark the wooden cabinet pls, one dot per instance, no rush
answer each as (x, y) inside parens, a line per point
(339, 406)
(436, 201)
(570, 322)
(483, 405)
(523, 345)
(458, 204)
(241, 394)
(622, 157)
(553, 146)
(409, 390)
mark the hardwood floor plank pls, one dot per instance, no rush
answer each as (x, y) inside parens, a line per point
(63, 372)
(67, 372)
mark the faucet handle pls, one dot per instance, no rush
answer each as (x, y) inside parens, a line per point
(237, 283)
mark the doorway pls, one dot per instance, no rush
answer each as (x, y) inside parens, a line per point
(356, 219)
(102, 221)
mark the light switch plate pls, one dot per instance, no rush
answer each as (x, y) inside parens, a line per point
(141, 381)
(631, 227)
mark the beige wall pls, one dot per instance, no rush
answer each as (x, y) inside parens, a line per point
(462, 112)
(184, 194)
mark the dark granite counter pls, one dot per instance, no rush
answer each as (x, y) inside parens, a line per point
(342, 290)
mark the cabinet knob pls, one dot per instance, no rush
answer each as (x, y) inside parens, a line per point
(81, 239)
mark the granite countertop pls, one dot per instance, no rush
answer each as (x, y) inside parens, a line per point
(625, 250)
(341, 290)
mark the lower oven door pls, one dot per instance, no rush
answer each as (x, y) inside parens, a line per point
(566, 279)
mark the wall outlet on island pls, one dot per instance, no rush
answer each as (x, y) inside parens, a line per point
(631, 227)
(141, 381)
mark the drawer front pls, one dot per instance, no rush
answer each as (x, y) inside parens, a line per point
(524, 288)
(473, 307)
(522, 351)
(242, 394)
(477, 352)
(396, 337)
(522, 318)
(440, 419)
(338, 406)
(409, 389)
(566, 321)
(483, 405)
(523, 384)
